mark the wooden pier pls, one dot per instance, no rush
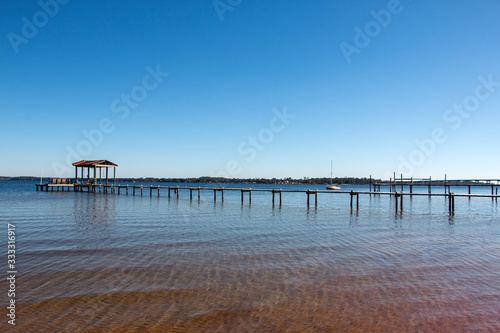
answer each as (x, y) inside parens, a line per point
(97, 184)
(218, 192)
(400, 183)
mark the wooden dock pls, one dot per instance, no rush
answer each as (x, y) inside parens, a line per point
(218, 192)
(400, 183)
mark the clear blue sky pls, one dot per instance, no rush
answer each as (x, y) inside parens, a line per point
(376, 86)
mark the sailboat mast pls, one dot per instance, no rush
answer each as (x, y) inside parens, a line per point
(331, 172)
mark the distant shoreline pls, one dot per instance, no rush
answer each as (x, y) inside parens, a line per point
(208, 180)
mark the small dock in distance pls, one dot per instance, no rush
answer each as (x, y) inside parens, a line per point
(56, 183)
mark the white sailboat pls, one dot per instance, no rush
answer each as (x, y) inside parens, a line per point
(332, 186)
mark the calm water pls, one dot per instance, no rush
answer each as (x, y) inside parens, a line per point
(113, 263)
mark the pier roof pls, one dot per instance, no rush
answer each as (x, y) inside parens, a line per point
(95, 163)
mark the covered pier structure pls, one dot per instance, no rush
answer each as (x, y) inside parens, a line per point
(94, 174)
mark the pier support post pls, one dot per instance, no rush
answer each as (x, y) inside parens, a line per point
(352, 194)
(215, 194)
(309, 192)
(451, 203)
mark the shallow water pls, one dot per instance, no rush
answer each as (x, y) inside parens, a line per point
(107, 262)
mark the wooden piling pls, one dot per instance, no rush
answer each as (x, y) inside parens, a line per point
(222, 194)
(352, 194)
(451, 203)
(308, 193)
(399, 201)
